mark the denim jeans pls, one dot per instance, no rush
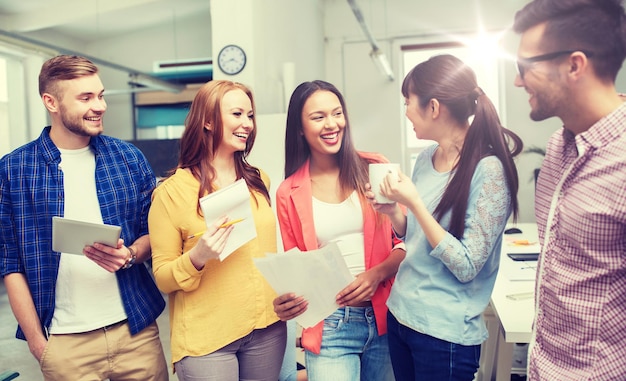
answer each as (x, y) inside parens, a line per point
(351, 349)
(289, 368)
(416, 356)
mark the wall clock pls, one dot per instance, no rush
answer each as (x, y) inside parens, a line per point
(231, 59)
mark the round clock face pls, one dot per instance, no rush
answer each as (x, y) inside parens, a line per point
(231, 59)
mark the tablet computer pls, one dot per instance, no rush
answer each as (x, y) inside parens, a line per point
(523, 256)
(71, 236)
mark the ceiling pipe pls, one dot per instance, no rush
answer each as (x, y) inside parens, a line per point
(376, 54)
(136, 77)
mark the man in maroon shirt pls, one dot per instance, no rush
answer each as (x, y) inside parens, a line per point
(568, 59)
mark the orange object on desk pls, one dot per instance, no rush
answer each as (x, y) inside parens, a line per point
(520, 242)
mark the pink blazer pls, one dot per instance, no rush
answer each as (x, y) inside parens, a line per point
(295, 216)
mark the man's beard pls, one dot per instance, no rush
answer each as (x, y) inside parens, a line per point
(544, 107)
(75, 124)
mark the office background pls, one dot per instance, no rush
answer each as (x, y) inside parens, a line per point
(286, 42)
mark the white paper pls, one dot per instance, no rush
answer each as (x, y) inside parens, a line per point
(232, 201)
(523, 270)
(71, 236)
(519, 270)
(317, 275)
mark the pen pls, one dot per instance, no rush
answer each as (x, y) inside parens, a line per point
(521, 296)
(224, 225)
(231, 222)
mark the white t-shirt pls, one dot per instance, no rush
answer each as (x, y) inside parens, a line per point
(342, 223)
(87, 296)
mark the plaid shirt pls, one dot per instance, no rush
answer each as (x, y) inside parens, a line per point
(580, 322)
(31, 193)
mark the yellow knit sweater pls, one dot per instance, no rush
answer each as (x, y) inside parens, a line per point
(225, 300)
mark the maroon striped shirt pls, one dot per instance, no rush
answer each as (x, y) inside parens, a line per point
(580, 321)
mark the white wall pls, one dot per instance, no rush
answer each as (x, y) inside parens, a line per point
(268, 152)
(287, 31)
(273, 33)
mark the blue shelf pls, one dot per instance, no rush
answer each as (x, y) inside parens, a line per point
(161, 115)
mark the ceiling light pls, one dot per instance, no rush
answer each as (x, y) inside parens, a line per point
(377, 55)
(380, 59)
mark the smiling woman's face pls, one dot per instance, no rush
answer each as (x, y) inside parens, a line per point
(323, 122)
(237, 120)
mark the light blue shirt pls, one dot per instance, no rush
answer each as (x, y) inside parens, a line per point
(443, 291)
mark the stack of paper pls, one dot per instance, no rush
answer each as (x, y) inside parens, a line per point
(316, 275)
(232, 201)
(522, 271)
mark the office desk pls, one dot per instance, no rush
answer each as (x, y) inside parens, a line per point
(514, 317)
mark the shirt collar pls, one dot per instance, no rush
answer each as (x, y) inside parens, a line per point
(50, 151)
(601, 133)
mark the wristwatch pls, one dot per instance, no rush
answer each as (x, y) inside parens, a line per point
(131, 259)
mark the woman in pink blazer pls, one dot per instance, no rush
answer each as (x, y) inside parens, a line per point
(321, 201)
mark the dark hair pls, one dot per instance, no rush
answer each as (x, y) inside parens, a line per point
(596, 26)
(453, 84)
(198, 145)
(352, 168)
(62, 68)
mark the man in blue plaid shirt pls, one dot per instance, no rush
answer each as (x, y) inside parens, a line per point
(89, 315)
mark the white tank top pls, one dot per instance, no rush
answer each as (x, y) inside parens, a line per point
(342, 223)
(87, 296)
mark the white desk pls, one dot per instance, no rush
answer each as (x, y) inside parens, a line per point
(514, 317)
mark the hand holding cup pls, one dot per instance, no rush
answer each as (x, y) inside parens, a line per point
(377, 174)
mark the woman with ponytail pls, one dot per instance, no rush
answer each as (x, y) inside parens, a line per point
(461, 194)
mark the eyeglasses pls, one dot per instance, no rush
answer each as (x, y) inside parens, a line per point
(523, 64)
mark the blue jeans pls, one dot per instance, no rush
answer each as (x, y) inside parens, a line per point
(288, 370)
(351, 349)
(416, 356)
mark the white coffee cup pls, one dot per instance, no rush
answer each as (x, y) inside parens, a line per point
(377, 173)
